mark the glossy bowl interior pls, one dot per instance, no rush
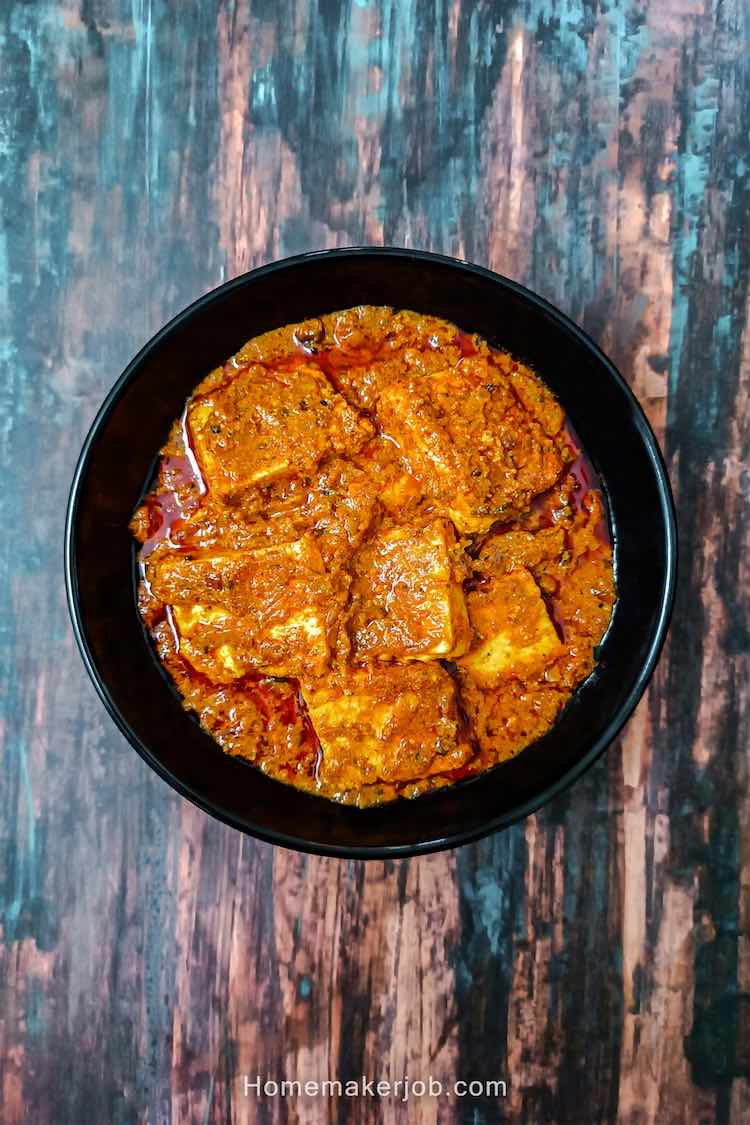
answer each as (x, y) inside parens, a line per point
(118, 460)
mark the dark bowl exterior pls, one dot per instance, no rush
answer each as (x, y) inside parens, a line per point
(118, 460)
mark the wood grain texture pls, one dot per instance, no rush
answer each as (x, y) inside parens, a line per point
(596, 957)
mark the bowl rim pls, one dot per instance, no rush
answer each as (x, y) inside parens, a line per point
(503, 820)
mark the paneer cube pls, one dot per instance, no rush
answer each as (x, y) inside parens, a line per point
(407, 598)
(201, 639)
(471, 442)
(386, 723)
(270, 610)
(514, 635)
(266, 424)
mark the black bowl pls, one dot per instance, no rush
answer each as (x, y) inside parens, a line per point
(118, 460)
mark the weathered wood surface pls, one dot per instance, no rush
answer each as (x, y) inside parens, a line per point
(597, 957)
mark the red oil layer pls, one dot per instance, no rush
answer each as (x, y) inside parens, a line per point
(164, 512)
(586, 481)
(576, 486)
(261, 695)
(465, 344)
(294, 709)
(290, 709)
(180, 473)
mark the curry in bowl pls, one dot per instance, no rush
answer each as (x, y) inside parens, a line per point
(375, 560)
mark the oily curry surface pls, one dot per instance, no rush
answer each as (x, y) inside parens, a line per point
(374, 561)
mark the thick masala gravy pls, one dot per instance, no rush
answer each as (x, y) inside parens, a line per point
(375, 560)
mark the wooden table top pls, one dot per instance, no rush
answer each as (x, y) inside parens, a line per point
(595, 958)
